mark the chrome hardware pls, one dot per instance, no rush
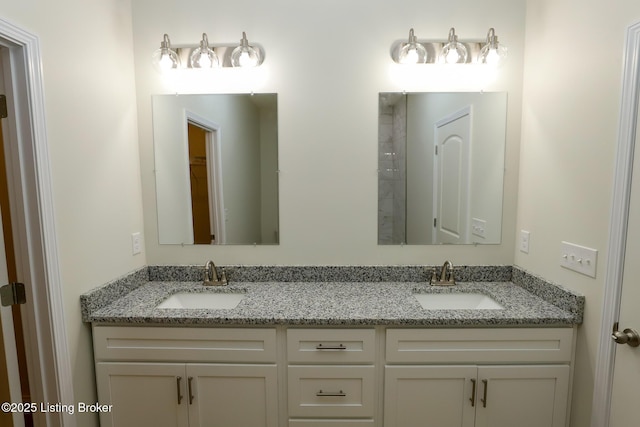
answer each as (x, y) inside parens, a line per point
(211, 277)
(340, 393)
(12, 294)
(628, 336)
(473, 392)
(484, 397)
(190, 390)
(178, 381)
(446, 275)
(331, 347)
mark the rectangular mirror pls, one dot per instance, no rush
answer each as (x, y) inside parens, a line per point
(441, 167)
(216, 166)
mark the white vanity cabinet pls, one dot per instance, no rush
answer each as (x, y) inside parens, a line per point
(331, 377)
(214, 377)
(477, 377)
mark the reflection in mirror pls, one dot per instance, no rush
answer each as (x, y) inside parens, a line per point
(216, 164)
(441, 167)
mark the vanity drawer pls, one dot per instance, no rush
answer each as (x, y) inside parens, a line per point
(499, 345)
(341, 346)
(331, 391)
(237, 345)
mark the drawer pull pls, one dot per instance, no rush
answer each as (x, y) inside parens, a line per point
(473, 392)
(340, 393)
(178, 381)
(484, 399)
(331, 347)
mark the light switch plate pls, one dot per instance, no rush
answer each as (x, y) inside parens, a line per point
(579, 258)
(479, 227)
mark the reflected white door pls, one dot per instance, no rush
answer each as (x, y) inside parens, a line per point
(451, 177)
(626, 380)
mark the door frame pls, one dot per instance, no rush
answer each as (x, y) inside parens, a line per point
(31, 194)
(618, 227)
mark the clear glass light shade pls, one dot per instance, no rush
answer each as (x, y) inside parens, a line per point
(245, 55)
(165, 58)
(412, 52)
(453, 52)
(204, 56)
(492, 53)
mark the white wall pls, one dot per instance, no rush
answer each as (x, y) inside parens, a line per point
(92, 134)
(327, 61)
(569, 129)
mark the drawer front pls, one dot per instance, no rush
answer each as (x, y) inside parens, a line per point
(331, 391)
(330, 423)
(339, 346)
(237, 345)
(543, 345)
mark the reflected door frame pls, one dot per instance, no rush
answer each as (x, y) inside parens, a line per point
(214, 172)
(618, 227)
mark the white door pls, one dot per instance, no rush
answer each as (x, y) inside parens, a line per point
(451, 178)
(626, 379)
(232, 395)
(430, 396)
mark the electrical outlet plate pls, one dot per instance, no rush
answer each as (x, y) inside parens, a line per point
(479, 227)
(579, 258)
(524, 241)
(136, 243)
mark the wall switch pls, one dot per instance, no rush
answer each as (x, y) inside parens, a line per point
(136, 243)
(524, 241)
(578, 258)
(479, 227)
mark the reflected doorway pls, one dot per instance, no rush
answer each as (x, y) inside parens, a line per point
(207, 205)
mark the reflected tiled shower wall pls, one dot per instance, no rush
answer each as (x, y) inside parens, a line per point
(392, 189)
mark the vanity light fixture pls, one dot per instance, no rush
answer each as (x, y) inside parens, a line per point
(245, 55)
(412, 52)
(166, 58)
(204, 56)
(492, 52)
(453, 52)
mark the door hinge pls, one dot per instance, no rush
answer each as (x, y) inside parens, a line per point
(436, 150)
(435, 221)
(3, 107)
(12, 294)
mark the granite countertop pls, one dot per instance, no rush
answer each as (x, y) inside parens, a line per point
(317, 303)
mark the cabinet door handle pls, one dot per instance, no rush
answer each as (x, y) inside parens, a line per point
(331, 347)
(340, 393)
(484, 399)
(190, 380)
(473, 392)
(178, 381)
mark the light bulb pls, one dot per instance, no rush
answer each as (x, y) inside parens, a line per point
(492, 53)
(245, 55)
(412, 52)
(204, 56)
(165, 58)
(453, 52)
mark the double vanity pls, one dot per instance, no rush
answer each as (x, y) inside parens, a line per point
(333, 346)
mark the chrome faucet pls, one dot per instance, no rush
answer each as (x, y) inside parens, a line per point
(446, 275)
(211, 277)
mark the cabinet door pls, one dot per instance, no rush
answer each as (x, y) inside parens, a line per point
(232, 395)
(523, 396)
(429, 396)
(142, 394)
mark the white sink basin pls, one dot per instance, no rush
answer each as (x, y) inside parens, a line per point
(457, 301)
(195, 300)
